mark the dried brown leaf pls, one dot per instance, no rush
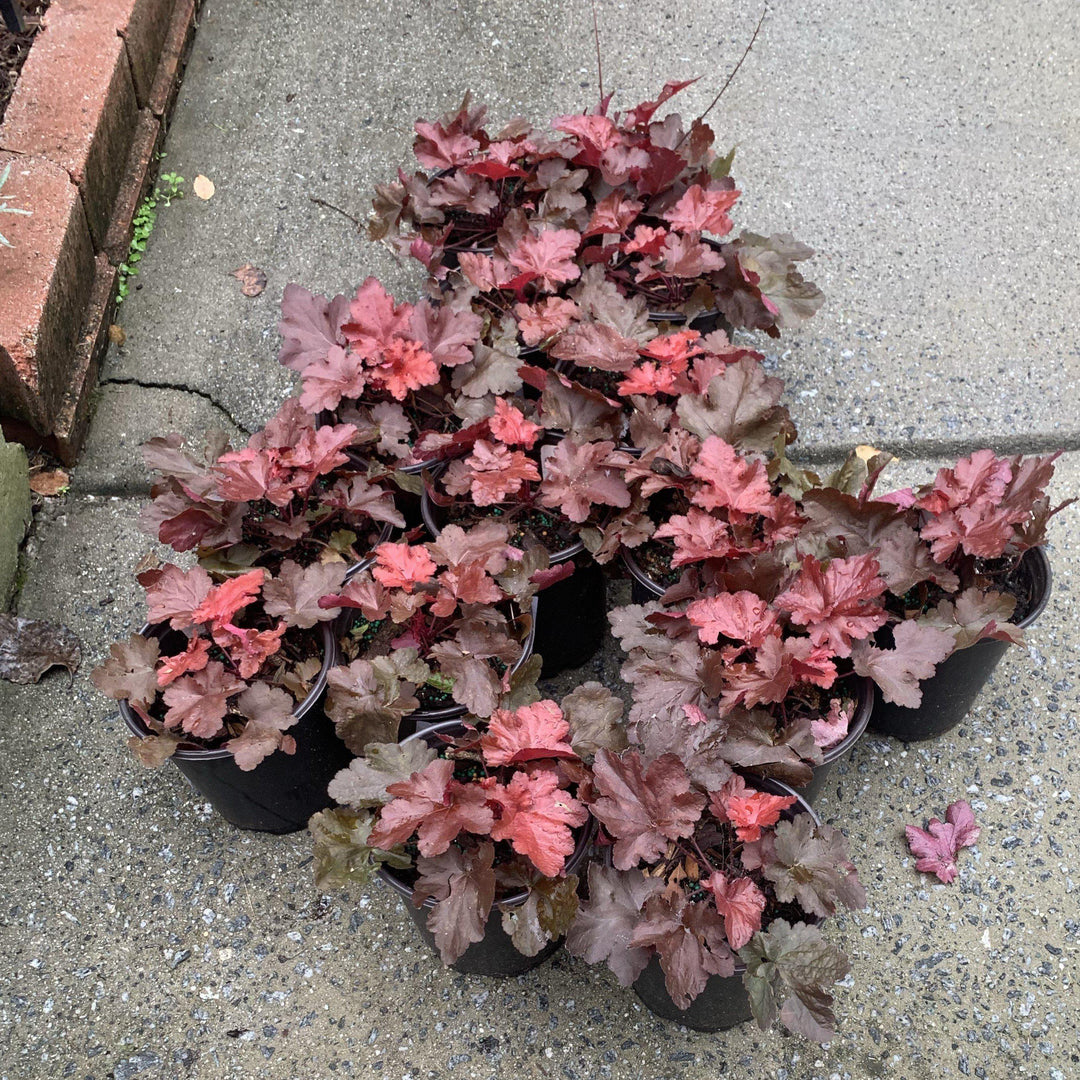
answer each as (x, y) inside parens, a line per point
(203, 187)
(49, 482)
(29, 647)
(252, 279)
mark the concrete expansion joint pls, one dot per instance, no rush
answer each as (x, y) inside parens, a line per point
(925, 449)
(182, 388)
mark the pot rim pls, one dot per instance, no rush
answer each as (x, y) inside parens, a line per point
(1043, 575)
(638, 573)
(577, 856)
(200, 753)
(385, 533)
(427, 512)
(864, 706)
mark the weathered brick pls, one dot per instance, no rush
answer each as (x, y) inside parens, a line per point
(74, 104)
(44, 289)
(145, 32)
(138, 176)
(173, 57)
(74, 416)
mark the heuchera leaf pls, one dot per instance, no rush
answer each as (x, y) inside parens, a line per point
(526, 734)
(644, 808)
(342, 852)
(810, 866)
(223, 601)
(748, 810)
(310, 325)
(129, 673)
(198, 703)
(402, 566)
(536, 815)
(578, 477)
(787, 970)
(741, 616)
(175, 594)
(690, 941)
(741, 903)
(545, 916)
(936, 848)
(367, 699)
(363, 783)
(594, 714)
(462, 882)
(435, 806)
(294, 593)
(605, 923)
(917, 651)
(834, 604)
(269, 712)
(730, 481)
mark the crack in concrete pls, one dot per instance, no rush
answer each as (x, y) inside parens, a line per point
(147, 385)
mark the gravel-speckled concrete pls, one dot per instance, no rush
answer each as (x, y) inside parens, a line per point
(144, 937)
(929, 154)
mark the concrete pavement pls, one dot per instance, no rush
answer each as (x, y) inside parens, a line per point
(929, 155)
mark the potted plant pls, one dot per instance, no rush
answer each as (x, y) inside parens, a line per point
(433, 631)
(710, 901)
(966, 573)
(545, 490)
(286, 495)
(479, 828)
(647, 201)
(227, 681)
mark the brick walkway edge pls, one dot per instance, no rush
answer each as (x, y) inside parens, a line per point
(80, 135)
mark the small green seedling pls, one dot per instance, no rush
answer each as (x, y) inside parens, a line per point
(5, 209)
(169, 187)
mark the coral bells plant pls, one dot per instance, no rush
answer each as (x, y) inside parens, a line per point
(383, 367)
(520, 214)
(467, 818)
(286, 493)
(227, 663)
(948, 554)
(544, 489)
(707, 872)
(435, 625)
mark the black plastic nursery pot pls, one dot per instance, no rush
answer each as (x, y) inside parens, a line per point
(496, 953)
(284, 790)
(949, 693)
(643, 589)
(864, 708)
(571, 615)
(724, 1001)
(425, 719)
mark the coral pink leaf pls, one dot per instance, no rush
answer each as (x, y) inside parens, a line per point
(937, 847)
(526, 734)
(536, 816)
(403, 566)
(223, 601)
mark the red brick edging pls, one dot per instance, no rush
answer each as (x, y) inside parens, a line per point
(80, 133)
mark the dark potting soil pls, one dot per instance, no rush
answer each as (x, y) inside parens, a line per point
(525, 522)
(14, 49)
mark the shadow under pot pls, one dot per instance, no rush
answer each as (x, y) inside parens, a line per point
(724, 1002)
(496, 953)
(571, 617)
(947, 696)
(282, 791)
(426, 718)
